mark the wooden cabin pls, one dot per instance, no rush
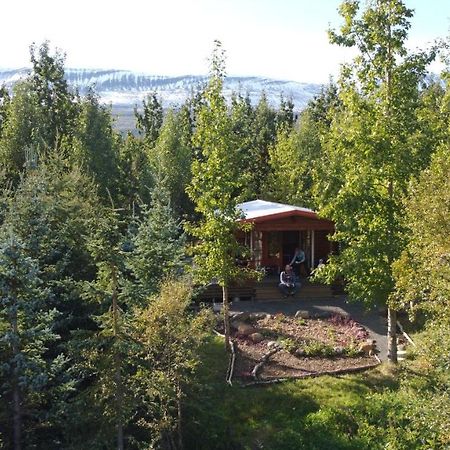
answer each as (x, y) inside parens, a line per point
(278, 229)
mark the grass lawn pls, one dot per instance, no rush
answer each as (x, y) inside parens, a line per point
(317, 413)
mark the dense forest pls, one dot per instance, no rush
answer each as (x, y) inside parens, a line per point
(104, 239)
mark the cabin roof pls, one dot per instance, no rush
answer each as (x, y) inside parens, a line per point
(261, 209)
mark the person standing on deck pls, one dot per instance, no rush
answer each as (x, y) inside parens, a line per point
(298, 261)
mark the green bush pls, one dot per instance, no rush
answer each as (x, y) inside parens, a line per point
(288, 344)
(317, 348)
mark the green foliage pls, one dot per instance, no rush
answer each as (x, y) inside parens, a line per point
(158, 248)
(295, 160)
(264, 133)
(423, 272)
(149, 122)
(26, 325)
(170, 339)
(288, 344)
(285, 114)
(317, 348)
(215, 186)
(242, 116)
(4, 101)
(422, 283)
(95, 147)
(101, 354)
(416, 415)
(135, 175)
(369, 153)
(21, 118)
(75, 276)
(54, 97)
(170, 161)
(285, 181)
(41, 113)
(52, 211)
(324, 105)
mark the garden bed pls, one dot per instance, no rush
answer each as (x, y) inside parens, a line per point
(278, 346)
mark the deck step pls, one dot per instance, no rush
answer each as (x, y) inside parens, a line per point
(265, 291)
(300, 294)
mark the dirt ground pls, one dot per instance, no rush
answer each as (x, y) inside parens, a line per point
(296, 340)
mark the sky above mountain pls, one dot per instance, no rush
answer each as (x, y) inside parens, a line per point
(283, 39)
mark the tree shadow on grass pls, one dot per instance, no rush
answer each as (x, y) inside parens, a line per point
(224, 417)
(309, 414)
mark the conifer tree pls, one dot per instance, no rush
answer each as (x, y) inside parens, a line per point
(102, 353)
(170, 162)
(54, 97)
(264, 136)
(41, 113)
(26, 326)
(285, 115)
(4, 101)
(242, 116)
(134, 173)
(52, 212)
(21, 119)
(96, 144)
(149, 122)
(286, 179)
(158, 248)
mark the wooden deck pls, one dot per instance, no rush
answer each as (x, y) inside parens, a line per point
(265, 290)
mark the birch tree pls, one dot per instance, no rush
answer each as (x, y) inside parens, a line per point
(372, 150)
(215, 189)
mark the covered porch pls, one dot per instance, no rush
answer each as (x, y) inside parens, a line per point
(278, 229)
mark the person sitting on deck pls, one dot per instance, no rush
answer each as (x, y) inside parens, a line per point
(287, 284)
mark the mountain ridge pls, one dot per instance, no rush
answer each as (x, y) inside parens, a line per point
(118, 86)
(124, 89)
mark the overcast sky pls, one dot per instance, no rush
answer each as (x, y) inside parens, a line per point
(284, 39)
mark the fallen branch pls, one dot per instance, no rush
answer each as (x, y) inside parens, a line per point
(263, 382)
(263, 361)
(218, 334)
(312, 375)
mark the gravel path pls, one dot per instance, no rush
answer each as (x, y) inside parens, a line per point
(373, 321)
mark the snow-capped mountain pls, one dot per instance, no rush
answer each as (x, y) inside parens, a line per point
(120, 87)
(125, 89)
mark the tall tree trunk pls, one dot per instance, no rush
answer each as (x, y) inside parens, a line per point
(117, 361)
(392, 335)
(17, 417)
(179, 413)
(392, 313)
(226, 317)
(17, 408)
